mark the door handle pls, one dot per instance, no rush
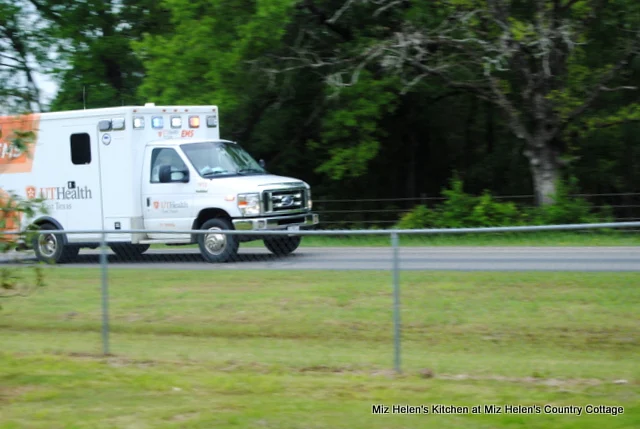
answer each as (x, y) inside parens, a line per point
(148, 201)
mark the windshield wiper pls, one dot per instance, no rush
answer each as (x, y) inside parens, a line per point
(249, 170)
(214, 173)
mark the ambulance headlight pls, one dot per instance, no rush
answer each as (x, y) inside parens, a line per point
(249, 204)
(156, 122)
(176, 122)
(309, 201)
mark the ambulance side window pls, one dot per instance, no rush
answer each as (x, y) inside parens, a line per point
(80, 149)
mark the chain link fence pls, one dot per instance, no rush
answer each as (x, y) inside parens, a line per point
(318, 299)
(383, 213)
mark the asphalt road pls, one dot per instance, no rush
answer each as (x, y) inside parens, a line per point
(411, 258)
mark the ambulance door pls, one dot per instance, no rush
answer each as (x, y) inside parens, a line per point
(73, 187)
(167, 206)
(119, 206)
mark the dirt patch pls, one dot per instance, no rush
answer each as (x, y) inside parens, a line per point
(324, 369)
(554, 382)
(425, 373)
(84, 355)
(118, 362)
(184, 417)
(113, 360)
(8, 393)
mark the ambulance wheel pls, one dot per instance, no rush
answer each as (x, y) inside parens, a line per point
(129, 250)
(218, 247)
(282, 246)
(49, 248)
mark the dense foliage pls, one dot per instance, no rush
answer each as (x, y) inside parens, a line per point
(462, 210)
(368, 98)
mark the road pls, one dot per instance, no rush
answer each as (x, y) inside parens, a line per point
(411, 258)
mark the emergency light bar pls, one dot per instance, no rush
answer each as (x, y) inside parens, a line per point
(157, 122)
(104, 125)
(138, 122)
(117, 124)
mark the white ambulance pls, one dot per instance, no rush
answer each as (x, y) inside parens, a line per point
(153, 168)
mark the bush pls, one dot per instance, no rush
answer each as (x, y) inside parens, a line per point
(565, 209)
(461, 210)
(457, 210)
(488, 212)
(418, 218)
(13, 283)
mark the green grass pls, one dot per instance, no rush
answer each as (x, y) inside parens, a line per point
(585, 238)
(575, 238)
(308, 349)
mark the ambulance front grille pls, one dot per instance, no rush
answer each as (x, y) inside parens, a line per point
(285, 201)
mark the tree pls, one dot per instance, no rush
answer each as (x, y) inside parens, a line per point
(530, 59)
(96, 63)
(23, 54)
(209, 58)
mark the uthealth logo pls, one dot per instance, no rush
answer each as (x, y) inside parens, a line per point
(170, 205)
(31, 192)
(59, 193)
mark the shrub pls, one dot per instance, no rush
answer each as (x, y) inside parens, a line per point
(418, 218)
(461, 210)
(565, 208)
(488, 212)
(457, 209)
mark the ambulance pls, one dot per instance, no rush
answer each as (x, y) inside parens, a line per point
(162, 170)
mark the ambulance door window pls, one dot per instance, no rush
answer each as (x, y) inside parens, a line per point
(80, 149)
(169, 157)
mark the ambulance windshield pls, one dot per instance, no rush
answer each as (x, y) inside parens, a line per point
(214, 159)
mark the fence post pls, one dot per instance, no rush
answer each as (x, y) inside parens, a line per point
(396, 301)
(105, 295)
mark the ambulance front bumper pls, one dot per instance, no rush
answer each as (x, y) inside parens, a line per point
(293, 222)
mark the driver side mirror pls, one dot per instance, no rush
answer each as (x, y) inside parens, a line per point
(167, 176)
(262, 163)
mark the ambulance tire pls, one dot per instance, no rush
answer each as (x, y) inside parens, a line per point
(282, 246)
(129, 251)
(50, 248)
(218, 247)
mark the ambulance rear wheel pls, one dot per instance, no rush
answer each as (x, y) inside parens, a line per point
(50, 248)
(218, 247)
(129, 250)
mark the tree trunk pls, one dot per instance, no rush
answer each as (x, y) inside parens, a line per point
(411, 166)
(469, 144)
(545, 171)
(489, 128)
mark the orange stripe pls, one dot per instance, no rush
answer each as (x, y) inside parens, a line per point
(11, 160)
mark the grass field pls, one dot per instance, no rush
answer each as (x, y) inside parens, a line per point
(269, 349)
